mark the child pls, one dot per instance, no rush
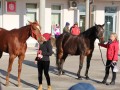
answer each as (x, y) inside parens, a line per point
(112, 57)
(75, 30)
(43, 60)
(57, 31)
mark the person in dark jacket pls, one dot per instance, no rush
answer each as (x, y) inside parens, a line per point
(112, 57)
(43, 60)
(66, 28)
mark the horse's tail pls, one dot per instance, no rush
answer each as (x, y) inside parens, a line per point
(59, 49)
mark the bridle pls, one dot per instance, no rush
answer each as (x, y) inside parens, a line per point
(34, 33)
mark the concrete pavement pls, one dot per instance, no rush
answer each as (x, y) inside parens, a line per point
(29, 73)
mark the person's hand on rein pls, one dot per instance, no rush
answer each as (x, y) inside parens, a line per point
(114, 62)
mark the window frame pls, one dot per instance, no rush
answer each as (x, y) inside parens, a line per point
(31, 10)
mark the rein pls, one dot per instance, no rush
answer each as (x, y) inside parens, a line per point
(103, 60)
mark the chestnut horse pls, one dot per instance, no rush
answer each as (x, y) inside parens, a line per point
(14, 43)
(82, 45)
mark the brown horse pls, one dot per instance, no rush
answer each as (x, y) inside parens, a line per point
(14, 43)
(82, 45)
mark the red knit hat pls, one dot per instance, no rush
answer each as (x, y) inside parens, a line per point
(47, 36)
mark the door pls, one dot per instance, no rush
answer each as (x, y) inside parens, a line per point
(110, 25)
(82, 23)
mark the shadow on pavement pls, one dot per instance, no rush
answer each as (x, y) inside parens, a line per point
(4, 73)
(54, 70)
(30, 63)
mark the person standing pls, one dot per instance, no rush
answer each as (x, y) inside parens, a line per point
(43, 60)
(66, 28)
(57, 31)
(112, 57)
(75, 30)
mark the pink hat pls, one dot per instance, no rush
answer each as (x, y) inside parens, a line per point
(47, 36)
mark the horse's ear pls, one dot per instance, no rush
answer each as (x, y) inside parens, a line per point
(95, 24)
(30, 22)
(103, 25)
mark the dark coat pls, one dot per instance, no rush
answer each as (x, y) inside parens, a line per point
(46, 49)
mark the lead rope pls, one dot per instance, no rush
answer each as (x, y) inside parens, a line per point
(102, 58)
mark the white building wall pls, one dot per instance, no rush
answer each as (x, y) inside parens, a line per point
(67, 15)
(18, 19)
(100, 13)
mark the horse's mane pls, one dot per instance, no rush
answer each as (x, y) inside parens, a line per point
(89, 31)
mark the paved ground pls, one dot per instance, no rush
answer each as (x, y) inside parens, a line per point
(29, 73)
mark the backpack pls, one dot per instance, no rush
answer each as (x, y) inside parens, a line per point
(75, 31)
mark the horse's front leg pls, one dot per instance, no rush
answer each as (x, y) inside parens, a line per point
(62, 62)
(11, 59)
(80, 66)
(88, 65)
(21, 58)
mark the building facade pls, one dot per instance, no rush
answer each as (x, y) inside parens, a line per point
(16, 13)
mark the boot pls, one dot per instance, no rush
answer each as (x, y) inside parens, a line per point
(40, 87)
(105, 79)
(49, 88)
(112, 83)
(113, 79)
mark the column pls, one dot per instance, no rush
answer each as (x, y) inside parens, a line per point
(42, 14)
(76, 16)
(87, 15)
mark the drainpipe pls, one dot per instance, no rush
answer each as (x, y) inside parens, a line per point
(87, 20)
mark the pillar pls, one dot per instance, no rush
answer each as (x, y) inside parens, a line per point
(87, 20)
(42, 14)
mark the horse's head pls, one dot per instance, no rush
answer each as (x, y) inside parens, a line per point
(36, 31)
(100, 32)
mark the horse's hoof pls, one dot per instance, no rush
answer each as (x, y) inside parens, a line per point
(63, 73)
(59, 73)
(19, 85)
(87, 78)
(7, 84)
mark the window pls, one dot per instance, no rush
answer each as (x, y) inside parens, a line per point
(82, 8)
(110, 21)
(56, 7)
(55, 16)
(31, 12)
(31, 6)
(110, 9)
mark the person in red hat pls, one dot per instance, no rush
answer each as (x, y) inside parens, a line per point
(43, 60)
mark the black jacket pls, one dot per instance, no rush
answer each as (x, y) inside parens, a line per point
(46, 49)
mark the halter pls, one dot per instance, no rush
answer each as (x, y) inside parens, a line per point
(34, 33)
